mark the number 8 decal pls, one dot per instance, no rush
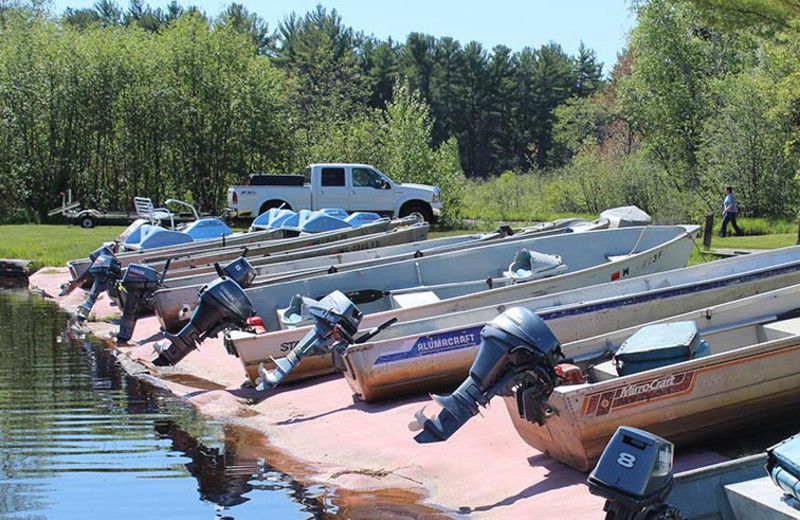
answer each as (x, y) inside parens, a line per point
(626, 460)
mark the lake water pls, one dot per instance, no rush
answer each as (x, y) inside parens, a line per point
(80, 439)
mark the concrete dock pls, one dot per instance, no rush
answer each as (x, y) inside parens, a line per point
(365, 450)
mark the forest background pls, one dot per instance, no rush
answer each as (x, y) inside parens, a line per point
(114, 103)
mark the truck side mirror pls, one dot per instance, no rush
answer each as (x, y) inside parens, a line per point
(384, 184)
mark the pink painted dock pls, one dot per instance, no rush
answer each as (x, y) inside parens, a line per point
(484, 471)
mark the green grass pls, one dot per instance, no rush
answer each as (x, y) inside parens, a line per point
(748, 242)
(52, 245)
(754, 241)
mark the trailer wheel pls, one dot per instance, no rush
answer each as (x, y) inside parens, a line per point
(87, 222)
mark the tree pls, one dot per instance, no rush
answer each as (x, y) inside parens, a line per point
(417, 62)
(243, 21)
(108, 13)
(588, 73)
(379, 61)
(744, 146)
(447, 90)
(408, 156)
(667, 92)
(326, 85)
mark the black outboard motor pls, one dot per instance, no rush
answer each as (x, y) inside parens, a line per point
(223, 304)
(240, 271)
(518, 352)
(136, 289)
(336, 321)
(105, 270)
(634, 475)
(70, 286)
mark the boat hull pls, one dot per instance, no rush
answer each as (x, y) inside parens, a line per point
(206, 252)
(683, 403)
(255, 349)
(173, 304)
(442, 357)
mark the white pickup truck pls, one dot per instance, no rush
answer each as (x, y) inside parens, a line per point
(353, 187)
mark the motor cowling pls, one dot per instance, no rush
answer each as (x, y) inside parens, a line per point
(240, 271)
(634, 475)
(70, 286)
(223, 304)
(105, 270)
(136, 287)
(516, 348)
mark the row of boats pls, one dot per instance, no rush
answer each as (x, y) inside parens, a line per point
(579, 326)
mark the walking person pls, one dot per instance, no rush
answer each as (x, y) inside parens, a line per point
(729, 211)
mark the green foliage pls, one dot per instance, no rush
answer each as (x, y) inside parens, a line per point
(507, 197)
(592, 184)
(667, 91)
(117, 112)
(743, 147)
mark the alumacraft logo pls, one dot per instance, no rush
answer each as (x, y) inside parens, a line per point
(636, 394)
(435, 344)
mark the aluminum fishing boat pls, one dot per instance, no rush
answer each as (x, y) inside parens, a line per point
(669, 249)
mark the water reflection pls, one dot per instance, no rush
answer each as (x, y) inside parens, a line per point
(79, 438)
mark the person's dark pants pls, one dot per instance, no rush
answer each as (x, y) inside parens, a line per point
(726, 218)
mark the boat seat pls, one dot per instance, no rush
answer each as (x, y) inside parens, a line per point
(603, 371)
(781, 329)
(783, 466)
(145, 209)
(531, 265)
(413, 299)
(659, 345)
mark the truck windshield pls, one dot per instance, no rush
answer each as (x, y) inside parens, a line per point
(307, 175)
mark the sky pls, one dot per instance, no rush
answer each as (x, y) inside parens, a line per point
(601, 25)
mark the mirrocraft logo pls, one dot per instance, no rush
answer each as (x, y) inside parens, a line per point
(639, 393)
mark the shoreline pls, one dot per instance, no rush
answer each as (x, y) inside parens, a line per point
(364, 450)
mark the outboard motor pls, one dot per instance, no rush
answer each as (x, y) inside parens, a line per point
(136, 289)
(240, 271)
(336, 321)
(105, 270)
(223, 304)
(518, 353)
(70, 286)
(634, 475)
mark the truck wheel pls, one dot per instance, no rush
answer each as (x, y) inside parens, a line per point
(272, 204)
(422, 209)
(87, 222)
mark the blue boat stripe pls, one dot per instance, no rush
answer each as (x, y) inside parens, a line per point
(434, 344)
